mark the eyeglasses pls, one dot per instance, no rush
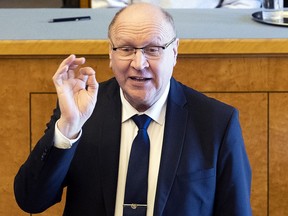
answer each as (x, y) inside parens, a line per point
(150, 52)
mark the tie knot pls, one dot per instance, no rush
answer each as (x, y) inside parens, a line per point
(142, 121)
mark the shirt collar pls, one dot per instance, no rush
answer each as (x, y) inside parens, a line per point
(157, 111)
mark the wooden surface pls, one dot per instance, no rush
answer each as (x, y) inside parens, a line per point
(187, 46)
(278, 153)
(256, 84)
(85, 3)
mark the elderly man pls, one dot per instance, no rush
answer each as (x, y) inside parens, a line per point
(187, 158)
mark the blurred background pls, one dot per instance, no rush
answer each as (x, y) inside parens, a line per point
(50, 3)
(38, 3)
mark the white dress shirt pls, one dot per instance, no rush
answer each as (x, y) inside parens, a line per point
(128, 132)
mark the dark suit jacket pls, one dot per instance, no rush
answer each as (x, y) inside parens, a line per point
(204, 168)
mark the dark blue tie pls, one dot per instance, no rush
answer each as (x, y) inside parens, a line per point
(135, 201)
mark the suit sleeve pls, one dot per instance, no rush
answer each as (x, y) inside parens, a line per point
(233, 174)
(40, 180)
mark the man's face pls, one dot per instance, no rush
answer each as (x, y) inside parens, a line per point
(142, 79)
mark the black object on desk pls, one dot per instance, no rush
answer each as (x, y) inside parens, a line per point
(69, 19)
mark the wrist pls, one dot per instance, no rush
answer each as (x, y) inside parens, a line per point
(68, 129)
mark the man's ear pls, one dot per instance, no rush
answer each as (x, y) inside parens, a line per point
(175, 50)
(110, 56)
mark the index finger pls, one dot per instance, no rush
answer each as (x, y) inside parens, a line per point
(72, 61)
(68, 64)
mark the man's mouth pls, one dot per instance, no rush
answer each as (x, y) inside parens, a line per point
(140, 79)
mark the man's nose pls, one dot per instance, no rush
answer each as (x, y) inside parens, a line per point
(139, 61)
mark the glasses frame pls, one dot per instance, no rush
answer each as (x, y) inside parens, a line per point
(165, 46)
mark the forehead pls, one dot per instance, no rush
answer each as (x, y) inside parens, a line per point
(142, 22)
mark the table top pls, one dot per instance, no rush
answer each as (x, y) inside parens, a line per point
(201, 31)
(33, 24)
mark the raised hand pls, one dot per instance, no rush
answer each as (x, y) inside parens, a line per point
(77, 91)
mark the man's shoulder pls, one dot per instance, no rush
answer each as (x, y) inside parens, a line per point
(109, 86)
(201, 100)
(110, 83)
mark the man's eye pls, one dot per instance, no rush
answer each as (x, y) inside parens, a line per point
(152, 49)
(127, 49)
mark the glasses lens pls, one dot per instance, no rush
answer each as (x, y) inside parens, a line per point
(126, 51)
(153, 51)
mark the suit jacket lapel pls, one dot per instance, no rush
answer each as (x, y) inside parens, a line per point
(175, 127)
(110, 145)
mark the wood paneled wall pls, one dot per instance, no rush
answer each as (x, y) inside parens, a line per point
(255, 84)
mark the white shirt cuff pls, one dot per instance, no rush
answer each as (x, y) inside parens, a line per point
(62, 142)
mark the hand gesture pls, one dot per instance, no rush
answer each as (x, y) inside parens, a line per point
(77, 94)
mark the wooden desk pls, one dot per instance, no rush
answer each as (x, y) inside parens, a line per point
(85, 3)
(247, 70)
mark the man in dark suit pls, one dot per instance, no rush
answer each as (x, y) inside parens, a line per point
(198, 163)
